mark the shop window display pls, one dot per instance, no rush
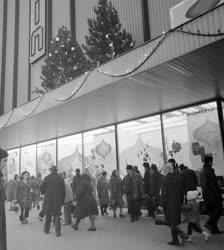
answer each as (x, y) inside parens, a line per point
(28, 159)
(70, 154)
(46, 156)
(100, 151)
(192, 133)
(140, 141)
(13, 163)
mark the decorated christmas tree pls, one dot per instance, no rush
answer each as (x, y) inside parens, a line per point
(65, 61)
(106, 38)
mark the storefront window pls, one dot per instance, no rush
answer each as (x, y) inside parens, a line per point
(192, 133)
(100, 151)
(140, 141)
(46, 156)
(13, 163)
(28, 159)
(70, 154)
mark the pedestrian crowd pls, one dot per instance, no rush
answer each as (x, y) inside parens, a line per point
(171, 194)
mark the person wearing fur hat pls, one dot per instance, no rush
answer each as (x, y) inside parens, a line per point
(192, 216)
(3, 164)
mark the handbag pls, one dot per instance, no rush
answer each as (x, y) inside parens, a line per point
(160, 219)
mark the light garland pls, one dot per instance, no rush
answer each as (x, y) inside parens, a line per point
(7, 120)
(37, 103)
(74, 92)
(128, 72)
(141, 63)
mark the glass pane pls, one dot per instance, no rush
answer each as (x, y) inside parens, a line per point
(28, 159)
(100, 151)
(13, 163)
(70, 154)
(46, 156)
(192, 133)
(140, 141)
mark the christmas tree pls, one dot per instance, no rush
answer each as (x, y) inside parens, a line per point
(64, 62)
(106, 37)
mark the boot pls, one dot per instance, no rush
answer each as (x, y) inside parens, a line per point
(206, 235)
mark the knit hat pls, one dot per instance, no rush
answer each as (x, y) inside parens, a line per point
(192, 195)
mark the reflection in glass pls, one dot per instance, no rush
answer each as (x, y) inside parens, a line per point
(46, 156)
(70, 154)
(100, 151)
(192, 133)
(28, 159)
(13, 163)
(140, 141)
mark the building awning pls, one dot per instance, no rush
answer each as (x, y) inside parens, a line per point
(179, 68)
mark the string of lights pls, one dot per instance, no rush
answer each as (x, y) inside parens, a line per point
(128, 72)
(74, 91)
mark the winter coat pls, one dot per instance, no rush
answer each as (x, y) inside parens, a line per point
(23, 195)
(68, 192)
(156, 182)
(53, 188)
(76, 183)
(103, 191)
(3, 243)
(146, 181)
(190, 180)
(172, 198)
(191, 212)
(211, 191)
(134, 187)
(10, 190)
(86, 202)
(116, 191)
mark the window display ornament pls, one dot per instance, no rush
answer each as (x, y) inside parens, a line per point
(103, 149)
(176, 147)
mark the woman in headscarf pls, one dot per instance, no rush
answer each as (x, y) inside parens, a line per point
(23, 196)
(116, 193)
(86, 203)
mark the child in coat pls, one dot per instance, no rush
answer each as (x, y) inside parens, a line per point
(193, 216)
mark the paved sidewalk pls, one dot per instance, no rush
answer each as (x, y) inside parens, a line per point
(111, 233)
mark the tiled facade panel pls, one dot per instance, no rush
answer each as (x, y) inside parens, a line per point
(23, 55)
(129, 11)
(159, 15)
(9, 56)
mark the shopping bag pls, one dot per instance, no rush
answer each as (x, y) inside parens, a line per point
(160, 219)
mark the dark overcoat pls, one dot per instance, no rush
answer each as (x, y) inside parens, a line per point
(116, 190)
(53, 188)
(212, 193)
(3, 245)
(172, 198)
(103, 191)
(22, 194)
(86, 202)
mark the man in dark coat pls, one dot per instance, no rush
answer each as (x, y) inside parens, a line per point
(54, 190)
(3, 164)
(147, 186)
(156, 180)
(212, 195)
(134, 191)
(76, 181)
(190, 180)
(171, 202)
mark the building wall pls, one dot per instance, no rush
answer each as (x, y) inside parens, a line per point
(9, 56)
(159, 15)
(23, 55)
(1, 31)
(129, 11)
(131, 17)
